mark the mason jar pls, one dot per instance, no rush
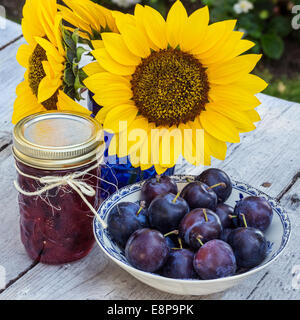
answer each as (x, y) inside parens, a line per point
(58, 163)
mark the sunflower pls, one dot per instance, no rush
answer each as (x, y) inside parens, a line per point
(181, 74)
(50, 58)
(90, 18)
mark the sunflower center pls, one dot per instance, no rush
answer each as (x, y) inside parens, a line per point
(170, 87)
(36, 73)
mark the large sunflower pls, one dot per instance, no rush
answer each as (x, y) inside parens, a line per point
(90, 18)
(181, 73)
(50, 58)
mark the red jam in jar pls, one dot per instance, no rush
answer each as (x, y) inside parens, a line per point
(56, 226)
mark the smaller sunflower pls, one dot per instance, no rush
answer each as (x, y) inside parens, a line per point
(90, 18)
(51, 56)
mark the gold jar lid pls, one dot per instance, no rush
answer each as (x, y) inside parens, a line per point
(57, 140)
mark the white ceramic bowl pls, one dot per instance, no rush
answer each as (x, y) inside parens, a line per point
(277, 235)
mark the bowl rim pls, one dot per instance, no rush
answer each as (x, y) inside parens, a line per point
(194, 281)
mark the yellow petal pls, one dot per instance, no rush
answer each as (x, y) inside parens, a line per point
(159, 169)
(194, 30)
(136, 135)
(47, 88)
(31, 25)
(139, 14)
(222, 52)
(25, 103)
(81, 10)
(118, 50)
(156, 28)
(92, 68)
(65, 103)
(136, 41)
(252, 83)
(50, 49)
(253, 115)
(231, 96)
(215, 35)
(110, 64)
(219, 126)
(176, 19)
(46, 13)
(100, 81)
(102, 113)
(241, 47)
(23, 54)
(122, 113)
(232, 70)
(229, 112)
(74, 20)
(145, 153)
(98, 44)
(217, 147)
(242, 127)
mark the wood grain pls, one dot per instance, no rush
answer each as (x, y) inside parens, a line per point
(9, 32)
(11, 74)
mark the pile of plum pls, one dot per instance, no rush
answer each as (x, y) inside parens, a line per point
(192, 234)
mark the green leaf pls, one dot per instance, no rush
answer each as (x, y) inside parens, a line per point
(69, 77)
(67, 36)
(82, 75)
(71, 55)
(75, 36)
(280, 25)
(272, 45)
(80, 51)
(77, 83)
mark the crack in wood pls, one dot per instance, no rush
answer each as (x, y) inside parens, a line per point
(5, 146)
(289, 186)
(11, 42)
(257, 285)
(12, 281)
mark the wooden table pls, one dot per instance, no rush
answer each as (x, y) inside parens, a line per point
(268, 158)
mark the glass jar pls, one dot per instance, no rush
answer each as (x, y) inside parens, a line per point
(56, 226)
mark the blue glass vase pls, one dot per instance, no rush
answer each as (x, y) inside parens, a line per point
(119, 171)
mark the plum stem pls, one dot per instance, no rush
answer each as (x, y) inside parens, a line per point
(171, 232)
(189, 180)
(177, 195)
(180, 242)
(244, 220)
(142, 206)
(231, 216)
(139, 211)
(205, 215)
(217, 185)
(199, 239)
(157, 178)
(180, 245)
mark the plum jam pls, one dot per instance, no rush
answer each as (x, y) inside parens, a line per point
(56, 226)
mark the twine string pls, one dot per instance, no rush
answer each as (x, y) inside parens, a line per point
(73, 180)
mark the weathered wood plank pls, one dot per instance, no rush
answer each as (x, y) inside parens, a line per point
(97, 278)
(280, 282)
(11, 74)
(9, 31)
(12, 255)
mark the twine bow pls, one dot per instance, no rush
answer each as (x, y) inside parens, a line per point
(73, 180)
